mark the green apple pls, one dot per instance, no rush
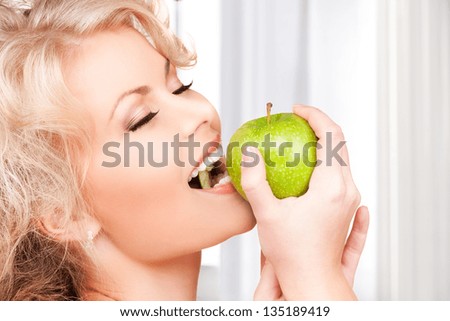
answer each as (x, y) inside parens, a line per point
(288, 146)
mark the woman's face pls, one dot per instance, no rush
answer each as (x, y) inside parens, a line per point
(149, 212)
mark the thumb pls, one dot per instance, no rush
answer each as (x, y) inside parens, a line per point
(253, 181)
(268, 288)
(355, 244)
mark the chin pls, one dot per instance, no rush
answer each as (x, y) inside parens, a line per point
(249, 221)
(241, 221)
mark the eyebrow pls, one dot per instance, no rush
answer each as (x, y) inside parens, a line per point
(141, 90)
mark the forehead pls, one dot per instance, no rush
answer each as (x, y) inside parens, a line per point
(107, 64)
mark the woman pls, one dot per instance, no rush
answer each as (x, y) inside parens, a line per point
(80, 75)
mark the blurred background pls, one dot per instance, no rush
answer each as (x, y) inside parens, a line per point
(380, 69)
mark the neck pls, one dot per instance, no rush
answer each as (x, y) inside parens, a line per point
(128, 280)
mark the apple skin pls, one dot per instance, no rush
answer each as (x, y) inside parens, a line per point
(285, 178)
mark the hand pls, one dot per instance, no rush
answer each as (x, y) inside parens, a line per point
(269, 289)
(303, 238)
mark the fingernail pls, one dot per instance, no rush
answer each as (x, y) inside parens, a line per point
(251, 149)
(248, 151)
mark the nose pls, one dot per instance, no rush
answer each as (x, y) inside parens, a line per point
(194, 112)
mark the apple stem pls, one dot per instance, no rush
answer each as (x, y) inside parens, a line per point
(268, 108)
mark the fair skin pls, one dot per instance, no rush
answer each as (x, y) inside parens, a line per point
(149, 224)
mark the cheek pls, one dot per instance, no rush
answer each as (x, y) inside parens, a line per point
(132, 202)
(129, 169)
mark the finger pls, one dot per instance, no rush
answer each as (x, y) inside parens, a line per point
(254, 183)
(355, 244)
(332, 147)
(325, 171)
(346, 169)
(268, 288)
(262, 260)
(324, 128)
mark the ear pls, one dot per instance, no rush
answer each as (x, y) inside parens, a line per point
(79, 229)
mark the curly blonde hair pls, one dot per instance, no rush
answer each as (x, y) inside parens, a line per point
(45, 135)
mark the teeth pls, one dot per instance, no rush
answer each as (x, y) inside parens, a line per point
(211, 160)
(202, 167)
(206, 165)
(224, 180)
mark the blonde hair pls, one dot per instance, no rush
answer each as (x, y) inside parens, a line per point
(44, 135)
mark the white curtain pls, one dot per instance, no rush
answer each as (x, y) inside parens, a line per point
(414, 149)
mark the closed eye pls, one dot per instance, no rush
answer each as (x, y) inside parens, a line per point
(143, 121)
(182, 89)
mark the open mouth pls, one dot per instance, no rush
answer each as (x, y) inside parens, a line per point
(211, 173)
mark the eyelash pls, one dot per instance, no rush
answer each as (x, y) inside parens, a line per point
(145, 120)
(182, 89)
